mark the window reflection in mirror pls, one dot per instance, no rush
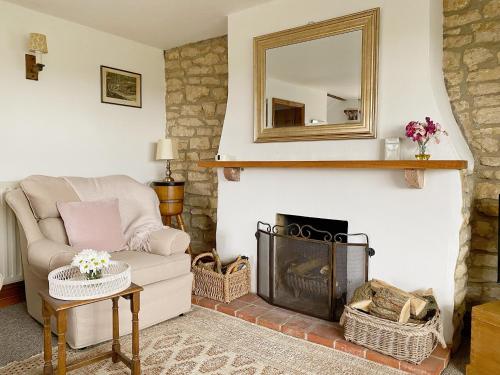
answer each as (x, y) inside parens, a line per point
(316, 82)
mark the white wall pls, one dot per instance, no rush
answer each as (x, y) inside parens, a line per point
(314, 100)
(58, 125)
(414, 232)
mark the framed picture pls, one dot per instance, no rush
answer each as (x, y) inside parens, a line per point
(121, 87)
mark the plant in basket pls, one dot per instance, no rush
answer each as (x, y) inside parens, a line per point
(91, 263)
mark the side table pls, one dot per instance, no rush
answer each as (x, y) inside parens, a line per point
(58, 308)
(171, 196)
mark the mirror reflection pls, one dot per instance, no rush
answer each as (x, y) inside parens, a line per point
(313, 83)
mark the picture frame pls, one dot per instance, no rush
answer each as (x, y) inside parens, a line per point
(121, 87)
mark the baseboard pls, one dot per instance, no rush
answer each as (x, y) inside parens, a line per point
(11, 294)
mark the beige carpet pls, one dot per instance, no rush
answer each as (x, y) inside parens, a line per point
(208, 342)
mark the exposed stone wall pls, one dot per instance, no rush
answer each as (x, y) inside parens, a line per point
(196, 80)
(472, 74)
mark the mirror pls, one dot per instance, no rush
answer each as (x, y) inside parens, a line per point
(317, 81)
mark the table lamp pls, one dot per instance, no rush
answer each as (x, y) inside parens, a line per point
(166, 150)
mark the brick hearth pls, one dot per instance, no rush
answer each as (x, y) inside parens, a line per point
(255, 310)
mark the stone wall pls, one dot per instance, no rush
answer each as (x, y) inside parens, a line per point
(196, 80)
(472, 74)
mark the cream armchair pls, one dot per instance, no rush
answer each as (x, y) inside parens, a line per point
(164, 273)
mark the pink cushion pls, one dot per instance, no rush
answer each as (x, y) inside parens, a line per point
(93, 225)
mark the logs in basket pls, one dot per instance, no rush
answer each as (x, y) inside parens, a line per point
(218, 286)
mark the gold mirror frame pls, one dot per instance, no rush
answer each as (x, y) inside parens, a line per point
(366, 21)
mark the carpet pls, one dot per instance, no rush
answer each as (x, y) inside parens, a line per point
(208, 342)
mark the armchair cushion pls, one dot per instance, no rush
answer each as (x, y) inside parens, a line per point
(43, 192)
(167, 241)
(45, 255)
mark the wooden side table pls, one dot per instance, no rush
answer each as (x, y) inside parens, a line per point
(171, 196)
(58, 308)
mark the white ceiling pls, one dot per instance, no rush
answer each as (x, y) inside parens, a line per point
(331, 64)
(159, 23)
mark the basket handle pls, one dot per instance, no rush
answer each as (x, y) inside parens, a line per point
(202, 255)
(237, 264)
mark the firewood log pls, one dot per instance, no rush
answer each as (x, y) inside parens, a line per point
(417, 304)
(218, 263)
(362, 297)
(384, 313)
(399, 304)
(305, 267)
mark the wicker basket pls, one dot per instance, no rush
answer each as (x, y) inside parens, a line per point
(405, 341)
(67, 283)
(217, 286)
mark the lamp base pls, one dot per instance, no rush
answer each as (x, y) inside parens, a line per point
(168, 173)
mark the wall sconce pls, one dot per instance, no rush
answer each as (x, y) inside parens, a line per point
(38, 46)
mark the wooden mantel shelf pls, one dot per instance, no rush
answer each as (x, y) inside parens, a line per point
(414, 169)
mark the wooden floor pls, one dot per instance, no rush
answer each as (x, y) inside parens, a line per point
(255, 310)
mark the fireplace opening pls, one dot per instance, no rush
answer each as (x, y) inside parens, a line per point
(308, 268)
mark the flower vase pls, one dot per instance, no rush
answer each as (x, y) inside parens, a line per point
(94, 275)
(421, 152)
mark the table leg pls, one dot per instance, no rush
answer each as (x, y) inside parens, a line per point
(134, 307)
(47, 341)
(180, 224)
(61, 342)
(116, 331)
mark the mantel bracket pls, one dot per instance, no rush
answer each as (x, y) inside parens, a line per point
(232, 173)
(414, 178)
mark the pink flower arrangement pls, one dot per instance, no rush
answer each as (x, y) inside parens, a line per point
(423, 132)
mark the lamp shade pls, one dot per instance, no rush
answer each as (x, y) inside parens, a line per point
(166, 149)
(38, 43)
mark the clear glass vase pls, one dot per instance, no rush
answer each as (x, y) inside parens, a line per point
(94, 275)
(421, 153)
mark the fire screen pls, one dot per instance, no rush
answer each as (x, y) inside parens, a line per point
(311, 276)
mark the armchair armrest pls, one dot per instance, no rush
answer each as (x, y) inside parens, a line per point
(45, 255)
(168, 241)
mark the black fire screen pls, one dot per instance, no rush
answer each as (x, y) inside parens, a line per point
(311, 276)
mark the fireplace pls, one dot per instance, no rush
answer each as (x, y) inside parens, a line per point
(308, 265)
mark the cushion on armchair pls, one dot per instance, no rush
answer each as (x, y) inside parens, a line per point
(93, 225)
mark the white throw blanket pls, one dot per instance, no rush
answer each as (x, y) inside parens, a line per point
(138, 204)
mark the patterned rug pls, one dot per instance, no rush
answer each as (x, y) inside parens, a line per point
(208, 342)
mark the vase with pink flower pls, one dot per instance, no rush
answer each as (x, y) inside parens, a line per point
(422, 132)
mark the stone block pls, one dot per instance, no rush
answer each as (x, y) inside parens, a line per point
(172, 65)
(172, 115)
(182, 144)
(213, 122)
(174, 84)
(199, 188)
(487, 100)
(219, 93)
(475, 56)
(194, 80)
(490, 161)
(172, 54)
(487, 144)
(189, 51)
(205, 131)
(192, 156)
(461, 19)
(484, 88)
(219, 49)
(185, 64)
(191, 110)
(208, 155)
(209, 109)
(210, 81)
(460, 105)
(484, 244)
(487, 190)
(455, 31)
(492, 9)
(454, 5)
(485, 260)
(482, 274)
(197, 176)
(199, 70)
(488, 207)
(182, 131)
(175, 97)
(201, 222)
(197, 201)
(488, 115)
(451, 60)
(453, 77)
(176, 73)
(195, 93)
(209, 59)
(487, 32)
(485, 229)
(457, 41)
(484, 75)
(199, 143)
(221, 109)
(220, 69)
(454, 93)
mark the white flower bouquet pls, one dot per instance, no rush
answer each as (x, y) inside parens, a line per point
(91, 263)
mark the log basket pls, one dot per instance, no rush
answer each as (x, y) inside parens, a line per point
(405, 341)
(217, 286)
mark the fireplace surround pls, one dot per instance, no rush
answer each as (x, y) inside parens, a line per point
(309, 270)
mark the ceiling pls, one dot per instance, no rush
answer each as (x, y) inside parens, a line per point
(160, 23)
(331, 64)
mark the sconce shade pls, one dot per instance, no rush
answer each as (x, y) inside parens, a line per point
(38, 43)
(166, 150)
